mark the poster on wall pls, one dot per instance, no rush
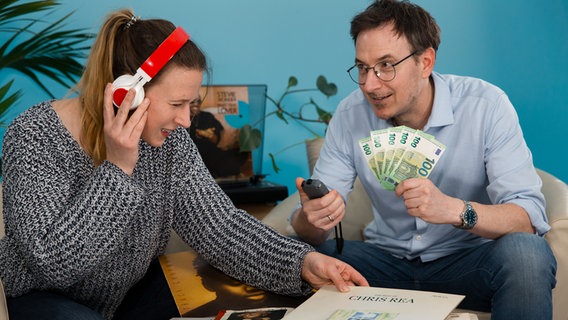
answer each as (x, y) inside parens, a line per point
(216, 125)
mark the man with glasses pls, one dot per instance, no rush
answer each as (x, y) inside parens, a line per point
(475, 225)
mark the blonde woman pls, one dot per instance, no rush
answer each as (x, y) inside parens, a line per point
(91, 192)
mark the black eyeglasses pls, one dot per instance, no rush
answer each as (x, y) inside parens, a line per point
(383, 70)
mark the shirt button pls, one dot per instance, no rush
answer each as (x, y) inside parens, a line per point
(418, 237)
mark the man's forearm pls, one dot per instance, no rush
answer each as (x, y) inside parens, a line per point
(498, 220)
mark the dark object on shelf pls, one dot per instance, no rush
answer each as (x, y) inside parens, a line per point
(255, 191)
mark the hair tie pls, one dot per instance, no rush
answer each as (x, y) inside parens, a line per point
(130, 22)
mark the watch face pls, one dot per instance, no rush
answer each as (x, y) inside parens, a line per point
(470, 216)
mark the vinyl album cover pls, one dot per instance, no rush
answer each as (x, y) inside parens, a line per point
(254, 314)
(200, 290)
(216, 125)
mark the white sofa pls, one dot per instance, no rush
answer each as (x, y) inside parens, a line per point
(555, 191)
(358, 214)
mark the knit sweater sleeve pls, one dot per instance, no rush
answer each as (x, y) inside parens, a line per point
(61, 235)
(229, 238)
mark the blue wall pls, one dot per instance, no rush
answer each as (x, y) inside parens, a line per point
(521, 46)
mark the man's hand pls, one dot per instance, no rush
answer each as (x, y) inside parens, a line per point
(425, 201)
(314, 220)
(322, 213)
(320, 270)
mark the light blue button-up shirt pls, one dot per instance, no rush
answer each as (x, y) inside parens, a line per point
(486, 161)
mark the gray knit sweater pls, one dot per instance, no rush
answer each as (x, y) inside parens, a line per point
(90, 232)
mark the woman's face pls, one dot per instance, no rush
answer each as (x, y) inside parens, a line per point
(170, 98)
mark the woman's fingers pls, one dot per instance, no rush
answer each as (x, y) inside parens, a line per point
(108, 107)
(123, 129)
(123, 121)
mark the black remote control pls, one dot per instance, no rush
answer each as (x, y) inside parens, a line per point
(317, 189)
(314, 188)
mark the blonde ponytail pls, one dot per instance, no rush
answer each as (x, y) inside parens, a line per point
(98, 72)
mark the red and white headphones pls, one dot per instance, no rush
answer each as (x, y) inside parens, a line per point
(148, 69)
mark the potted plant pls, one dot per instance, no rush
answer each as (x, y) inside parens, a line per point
(250, 137)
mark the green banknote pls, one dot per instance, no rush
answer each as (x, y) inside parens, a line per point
(366, 146)
(403, 136)
(379, 138)
(418, 160)
(390, 146)
(400, 153)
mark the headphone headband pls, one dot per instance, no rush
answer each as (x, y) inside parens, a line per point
(165, 52)
(155, 62)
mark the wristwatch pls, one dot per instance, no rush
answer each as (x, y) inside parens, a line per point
(468, 217)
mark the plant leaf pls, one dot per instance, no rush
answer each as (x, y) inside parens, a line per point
(323, 115)
(52, 51)
(328, 89)
(292, 82)
(280, 115)
(249, 138)
(6, 102)
(274, 166)
(9, 11)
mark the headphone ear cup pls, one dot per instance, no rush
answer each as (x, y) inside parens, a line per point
(120, 87)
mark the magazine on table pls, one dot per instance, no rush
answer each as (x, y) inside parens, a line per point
(373, 303)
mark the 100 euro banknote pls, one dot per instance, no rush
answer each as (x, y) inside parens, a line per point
(400, 153)
(417, 161)
(367, 148)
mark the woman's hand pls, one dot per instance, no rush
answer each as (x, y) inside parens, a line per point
(320, 270)
(122, 132)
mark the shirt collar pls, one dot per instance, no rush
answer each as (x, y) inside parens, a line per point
(442, 111)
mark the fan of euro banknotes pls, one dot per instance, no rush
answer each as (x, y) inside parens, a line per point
(399, 153)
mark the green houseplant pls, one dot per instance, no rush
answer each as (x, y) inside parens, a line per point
(250, 137)
(37, 47)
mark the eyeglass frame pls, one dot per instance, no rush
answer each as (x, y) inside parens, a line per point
(377, 73)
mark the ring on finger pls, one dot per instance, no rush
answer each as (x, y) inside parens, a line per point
(330, 218)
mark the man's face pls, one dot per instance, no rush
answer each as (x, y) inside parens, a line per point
(399, 97)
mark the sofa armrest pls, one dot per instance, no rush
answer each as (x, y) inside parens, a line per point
(3, 306)
(277, 218)
(556, 194)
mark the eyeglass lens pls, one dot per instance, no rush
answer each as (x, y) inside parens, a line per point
(383, 70)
